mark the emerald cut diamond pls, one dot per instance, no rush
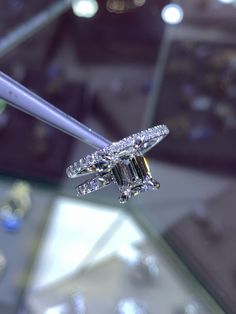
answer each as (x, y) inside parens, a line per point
(133, 177)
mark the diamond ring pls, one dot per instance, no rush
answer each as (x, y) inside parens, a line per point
(122, 163)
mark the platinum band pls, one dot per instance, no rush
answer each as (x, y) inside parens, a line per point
(106, 158)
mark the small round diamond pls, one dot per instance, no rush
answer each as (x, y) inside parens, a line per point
(138, 142)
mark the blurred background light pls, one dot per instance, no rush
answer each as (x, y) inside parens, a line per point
(139, 2)
(227, 1)
(122, 6)
(172, 14)
(85, 8)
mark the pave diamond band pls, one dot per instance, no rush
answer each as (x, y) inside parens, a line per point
(122, 163)
(106, 158)
(94, 184)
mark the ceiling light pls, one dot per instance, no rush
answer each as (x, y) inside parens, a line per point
(172, 14)
(85, 8)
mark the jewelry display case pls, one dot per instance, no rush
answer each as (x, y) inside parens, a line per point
(113, 262)
(203, 237)
(19, 241)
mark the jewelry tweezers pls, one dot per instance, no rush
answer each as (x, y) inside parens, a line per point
(23, 99)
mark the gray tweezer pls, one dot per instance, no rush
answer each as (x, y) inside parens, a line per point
(23, 99)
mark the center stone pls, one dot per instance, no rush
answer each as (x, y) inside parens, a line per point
(129, 172)
(132, 174)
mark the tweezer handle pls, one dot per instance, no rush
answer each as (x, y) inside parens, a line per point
(23, 99)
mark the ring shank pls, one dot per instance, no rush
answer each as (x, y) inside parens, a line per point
(138, 143)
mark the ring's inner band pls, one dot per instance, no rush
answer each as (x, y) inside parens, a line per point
(152, 143)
